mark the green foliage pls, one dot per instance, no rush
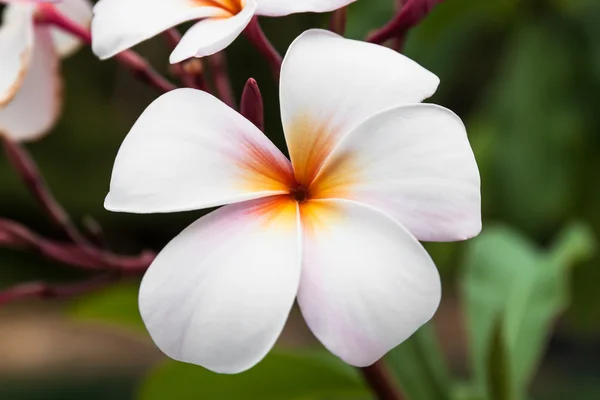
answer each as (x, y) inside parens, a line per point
(507, 282)
(279, 376)
(498, 372)
(419, 366)
(117, 305)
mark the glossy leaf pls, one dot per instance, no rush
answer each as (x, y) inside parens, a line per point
(508, 280)
(117, 304)
(279, 376)
(420, 367)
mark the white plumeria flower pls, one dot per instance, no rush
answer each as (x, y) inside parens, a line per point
(121, 24)
(30, 82)
(371, 173)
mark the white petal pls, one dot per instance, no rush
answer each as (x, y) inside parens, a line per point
(16, 41)
(219, 294)
(275, 8)
(120, 24)
(367, 284)
(330, 84)
(36, 106)
(78, 11)
(415, 163)
(188, 151)
(212, 35)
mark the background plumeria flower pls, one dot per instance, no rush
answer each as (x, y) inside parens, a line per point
(30, 83)
(371, 172)
(121, 24)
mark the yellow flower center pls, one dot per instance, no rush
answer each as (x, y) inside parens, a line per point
(232, 7)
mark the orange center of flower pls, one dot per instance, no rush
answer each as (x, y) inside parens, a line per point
(232, 7)
(300, 193)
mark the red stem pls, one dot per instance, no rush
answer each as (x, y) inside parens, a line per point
(44, 290)
(218, 69)
(381, 382)
(137, 65)
(252, 106)
(411, 13)
(30, 175)
(17, 236)
(337, 23)
(257, 37)
(189, 80)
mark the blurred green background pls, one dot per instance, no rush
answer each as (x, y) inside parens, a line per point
(521, 310)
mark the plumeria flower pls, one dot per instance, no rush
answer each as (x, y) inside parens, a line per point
(121, 24)
(30, 83)
(372, 171)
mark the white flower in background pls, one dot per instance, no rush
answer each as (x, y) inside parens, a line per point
(372, 172)
(121, 24)
(30, 83)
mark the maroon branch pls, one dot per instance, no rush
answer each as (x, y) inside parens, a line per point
(136, 64)
(44, 290)
(29, 174)
(337, 23)
(217, 64)
(16, 236)
(381, 381)
(78, 252)
(251, 105)
(413, 12)
(257, 37)
(185, 75)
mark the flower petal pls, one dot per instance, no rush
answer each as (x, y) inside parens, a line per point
(120, 24)
(219, 294)
(330, 84)
(78, 11)
(188, 151)
(16, 42)
(212, 35)
(277, 8)
(36, 106)
(414, 163)
(367, 284)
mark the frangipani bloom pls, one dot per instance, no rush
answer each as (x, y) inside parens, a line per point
(121, 24)
(372, 171)
(30, 82)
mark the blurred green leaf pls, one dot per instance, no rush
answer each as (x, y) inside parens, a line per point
(539, 121)
(420, 368)
(498, 368)
(117, 304)
(279, 376)
(507, 279)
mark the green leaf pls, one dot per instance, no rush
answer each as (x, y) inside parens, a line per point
(539, 121)
(279, 376)
(507, 280)
(498, 368)
(419, 366)
(117, 304)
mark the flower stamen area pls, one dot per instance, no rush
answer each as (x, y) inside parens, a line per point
(300, 193)
(230, 6)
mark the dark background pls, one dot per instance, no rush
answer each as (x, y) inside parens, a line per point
(523, 75)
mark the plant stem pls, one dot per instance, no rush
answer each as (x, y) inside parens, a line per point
(257, 37)
(189, 80)
(381, 382)
(29, 174)
(44, 290)
(136, 64)
(218, 70)
(17, 236)
(337, 23)
(411, 13)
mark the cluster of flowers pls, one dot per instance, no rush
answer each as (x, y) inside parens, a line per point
(372, 172)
